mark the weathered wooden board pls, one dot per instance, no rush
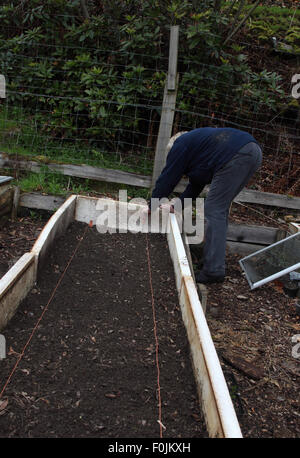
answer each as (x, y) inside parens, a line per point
(168, 107)
(213, 392)
(80, 171)
(6, 198)
(252, 234)
(40, 201)
(243, 248)
(132, 179)
(267, 198)
(55, 227)
(165, 132)
(15, 285)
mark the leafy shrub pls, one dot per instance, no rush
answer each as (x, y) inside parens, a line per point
(97, 85)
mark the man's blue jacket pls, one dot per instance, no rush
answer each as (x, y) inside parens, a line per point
(199, 154)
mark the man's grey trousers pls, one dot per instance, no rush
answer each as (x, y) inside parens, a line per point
(226, 184)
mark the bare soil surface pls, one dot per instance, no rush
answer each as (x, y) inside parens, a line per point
(261, 215)
(18, 236)
(90, 369)
(255, 334)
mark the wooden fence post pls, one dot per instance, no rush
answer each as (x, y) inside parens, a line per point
(168, 107)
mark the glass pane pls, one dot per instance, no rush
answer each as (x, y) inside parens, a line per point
(274, 261)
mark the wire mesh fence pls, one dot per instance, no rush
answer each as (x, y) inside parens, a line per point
(234, 96)
(105, 114)
(73, 97)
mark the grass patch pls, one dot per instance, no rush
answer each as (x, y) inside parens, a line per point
(52, 183)
(57, 184)
(19, 135)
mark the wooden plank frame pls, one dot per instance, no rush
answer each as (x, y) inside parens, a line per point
(132, 179)
(213, 392)
(212, 389)
(79, 171)
(15, 285)
(56, 226)
(18, 281)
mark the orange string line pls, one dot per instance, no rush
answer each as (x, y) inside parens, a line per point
(41, 316)
(155, 335)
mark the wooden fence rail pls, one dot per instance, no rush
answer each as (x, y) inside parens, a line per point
(132, 179)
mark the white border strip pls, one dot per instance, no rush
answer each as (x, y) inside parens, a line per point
(213, 392)
(18, 281)
(15, 285)
(55, 227)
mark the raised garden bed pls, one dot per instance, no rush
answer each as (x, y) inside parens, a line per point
(89, 285)
(252, 333)
(90, 369)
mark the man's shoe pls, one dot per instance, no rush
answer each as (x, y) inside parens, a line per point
(204, 278)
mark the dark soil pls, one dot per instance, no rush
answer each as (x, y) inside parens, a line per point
(71, 363)
(261, 215)
(90, 368)
(16, 238)
(252, 332)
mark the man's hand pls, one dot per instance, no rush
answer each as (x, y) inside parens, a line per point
(164, 207)
(167, 207)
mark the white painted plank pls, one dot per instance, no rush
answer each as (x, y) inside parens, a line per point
(177, 252)
(4, 180)
(112, 216)
(214, 395)
(212, 388)
(55, 227)
(15, 285)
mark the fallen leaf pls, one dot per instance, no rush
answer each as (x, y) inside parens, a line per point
(294, 326)
(196, 417)
(26, 371)
(44, 400)
(274, 382)
(112, 395)
(3, 404)
(11, 351)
